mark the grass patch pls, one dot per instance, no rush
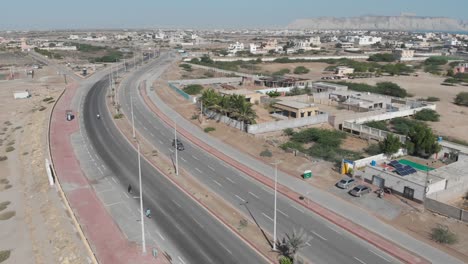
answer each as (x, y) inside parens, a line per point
(7, 215)
(382, 125)
(47, 99)
(2, 158)
(118, 116)
(4, 181)
(461, 99)
(301, 70)
(373, 149)
(430, 99)
(4, 205)
(209, 129)
(427, 115)
(42, 108)
(25, 153)
(4, 255)
(7, 123)
(11, 143)
(10, 149)
(282, 72)
(193, 89)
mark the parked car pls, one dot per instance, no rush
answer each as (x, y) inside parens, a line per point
(179, 144)
(345, 183)
(360, 190)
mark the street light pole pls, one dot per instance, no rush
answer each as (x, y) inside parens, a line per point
(176, 150)
(133, 119)
(274, 215)
(143, 242)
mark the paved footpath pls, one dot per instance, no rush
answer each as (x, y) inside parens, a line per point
(106, 240)
(384, 237)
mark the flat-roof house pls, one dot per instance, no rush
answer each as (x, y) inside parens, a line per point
(321, 87)
(250, 96)
(295, 109)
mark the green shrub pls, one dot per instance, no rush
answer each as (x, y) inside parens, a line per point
(288, 131)
(285, 260)
(4, 255)
(209, 129)
(442, 234)
(118, 116)
(273, 94)
(301, 70)
(9, 149)
(373, 149)
(2, 158)
(193, 89)
(430, 99)
(292, 145)
(427, 115)
(186, 66)
(462, 99)
(436, 60)
(282, 72)
(382, 57)
(403, 125)
(321, 136)
(382, 125)
(266, 153)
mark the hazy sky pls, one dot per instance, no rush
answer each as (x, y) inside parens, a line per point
(59, 14)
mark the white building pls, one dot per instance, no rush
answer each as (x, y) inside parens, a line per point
(73, 37)
(367, 40)
(452, 42)
(403, 54)
(234, 48)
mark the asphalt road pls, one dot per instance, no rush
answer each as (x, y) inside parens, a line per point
(172, 210)
(327, 243)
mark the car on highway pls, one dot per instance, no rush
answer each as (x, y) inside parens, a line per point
(345, 183)
(360, 190)
(178, 143)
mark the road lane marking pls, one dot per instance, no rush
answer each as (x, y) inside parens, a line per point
(112, 204)
(183, 159)
(253, 194)
(152, 134)
(171, 150)
(103, 173)
(218, 183)
(307, 243)
(334, 229)
(181, 260)
(113, 179)
(197, 169)
(229, 179)
(359, 260)
(160, 141)
(145, 128)
(283, 213)
(198, 223)
(382, 257)
(267, 216)
(225, 248)
(315, 233)
(161, 236)
(195, 157)
(267, 190)
(297, 208)
(238, 197)
(176, 203)
(211, 168)
(126, 194)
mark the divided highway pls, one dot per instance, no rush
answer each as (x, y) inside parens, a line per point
(326, 242)
(172, 210)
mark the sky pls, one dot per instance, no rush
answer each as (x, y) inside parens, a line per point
(76, 14)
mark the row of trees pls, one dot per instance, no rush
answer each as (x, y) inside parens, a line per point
(233, 106)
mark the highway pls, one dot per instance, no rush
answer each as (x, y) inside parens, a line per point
(327, 243)
(173, 211)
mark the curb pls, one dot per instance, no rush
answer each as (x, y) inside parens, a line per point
(202, 205)
(60, 190)
(355, 229)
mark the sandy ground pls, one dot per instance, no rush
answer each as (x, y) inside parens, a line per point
(41, 230)
(412, 221)
(429, 85)
(316, 69)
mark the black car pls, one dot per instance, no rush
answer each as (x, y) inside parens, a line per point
(179, 145)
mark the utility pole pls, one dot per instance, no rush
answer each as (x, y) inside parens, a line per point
(133, 120)
(143, 241)
(176, 150)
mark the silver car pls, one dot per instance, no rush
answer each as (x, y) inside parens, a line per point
(360, 190)
(345, 183)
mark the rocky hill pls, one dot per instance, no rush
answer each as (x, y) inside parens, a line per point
(403, 23)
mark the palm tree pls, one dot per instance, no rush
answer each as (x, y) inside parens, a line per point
(242, 110)
(293, 242)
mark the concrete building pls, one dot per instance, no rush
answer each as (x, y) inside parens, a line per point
(367, 40)
(280, 81)
(292, 109)
(403, 54)
(343, 70)
(360, 102)
(234, 48)
(346, 45)
(321, 87)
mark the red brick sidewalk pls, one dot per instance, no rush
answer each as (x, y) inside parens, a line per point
(106, 239)
(372, 238)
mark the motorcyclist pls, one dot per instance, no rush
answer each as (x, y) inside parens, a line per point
(98, 116)
(148, 213)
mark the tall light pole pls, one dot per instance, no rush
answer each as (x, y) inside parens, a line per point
(176, 150)
(133, 119)
(143, 241)
(274, 214)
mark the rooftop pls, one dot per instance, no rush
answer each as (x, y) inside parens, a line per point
(294, 104)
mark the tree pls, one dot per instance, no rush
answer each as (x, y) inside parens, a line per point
(423, 140)
(443, 235)
(242, 110)
(462, 99)
(291, 243)
(210, 99)
(427, 115)
(382, 57)
(390, 145)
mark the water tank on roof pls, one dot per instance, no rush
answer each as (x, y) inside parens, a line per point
(373, 163)
(439, 139)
